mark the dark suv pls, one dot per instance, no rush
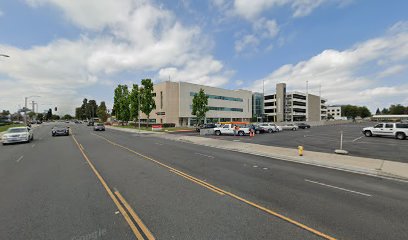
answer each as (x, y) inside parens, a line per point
(303, 125)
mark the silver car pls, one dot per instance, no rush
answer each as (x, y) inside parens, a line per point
(290, 126)
(18, 134)
(99, 127)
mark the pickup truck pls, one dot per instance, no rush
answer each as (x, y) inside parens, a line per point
(228, 129)
(397, 130)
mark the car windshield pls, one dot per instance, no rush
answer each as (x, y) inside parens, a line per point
(17, 130)
(100, 124)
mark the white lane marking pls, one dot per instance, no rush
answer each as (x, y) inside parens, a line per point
(19, 159)
(265, 168)
(236, 140)
(357, 139)
(160, 144)
(339, 188)
(204, 155)
(255, 166)
(33, 145)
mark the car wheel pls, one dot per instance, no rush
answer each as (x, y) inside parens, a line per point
(218, 133)
(368, 133)
(257, 132)
(293, 129)
(400, 136)
(241, 133)
(270, 130)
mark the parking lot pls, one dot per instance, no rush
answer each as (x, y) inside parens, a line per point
(327, 139)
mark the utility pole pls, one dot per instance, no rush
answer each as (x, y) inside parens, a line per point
(138, 108)
(32, 102)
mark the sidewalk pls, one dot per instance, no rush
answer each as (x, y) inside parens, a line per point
(370, 166)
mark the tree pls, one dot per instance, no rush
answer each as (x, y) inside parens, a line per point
(40, 116)
(364, 112)
(378, 112)
(31, 114)
(200, 106)
(78, 113)
(101, 112)
(91, 107)
(397, 109)
(121, 102)
(49, 114)
(5, 113)
(385, 111)
(147, 103)
(84, 109)
(134, 102)
(55, 117)
(67, 117)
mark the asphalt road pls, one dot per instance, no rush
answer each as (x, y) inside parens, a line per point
(327, 139)
(184, 191)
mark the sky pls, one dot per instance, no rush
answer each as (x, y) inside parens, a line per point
(350, 51)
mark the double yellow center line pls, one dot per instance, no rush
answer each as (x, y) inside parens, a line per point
(139, 229)
(224, 192)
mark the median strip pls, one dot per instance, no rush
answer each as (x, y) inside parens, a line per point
(196, 180)
(115, 200)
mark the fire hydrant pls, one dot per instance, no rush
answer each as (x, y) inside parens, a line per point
(300, 150)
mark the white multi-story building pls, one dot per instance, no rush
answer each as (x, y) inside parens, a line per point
(285, 106)
(334, 111)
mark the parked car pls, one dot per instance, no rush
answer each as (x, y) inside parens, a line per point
(60, 131)
(90, 124)
(258, 128)
(303, 125)
(39, 122)
(270, 127)
(99, 127)
(397, 130)
(228, 129)
(18, 134)
(205, 126)
(290, 126)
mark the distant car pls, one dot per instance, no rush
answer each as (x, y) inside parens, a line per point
(205, 126)
(270, 127)
(66, 121)
(258, 128)
(39, 122)
(99, 127)
(290, 126)
(18, 134)
(90, 124)
(77, 122)
(60, 131)
(303, 125)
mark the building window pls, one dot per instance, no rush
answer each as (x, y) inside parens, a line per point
(269, 97)
(161, 99)
(192, 94)
(270, 104)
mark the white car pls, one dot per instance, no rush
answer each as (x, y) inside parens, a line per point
(290, 126)
(271, 127)
(229, 129)
(17, 134)
(397, 130)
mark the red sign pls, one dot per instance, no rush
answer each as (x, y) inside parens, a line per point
(157, 127)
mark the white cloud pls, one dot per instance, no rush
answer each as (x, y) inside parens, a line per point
(246, 41)
(263, 29)
(133, 36)
(1, 13)
(251, 9)
(343, 75)
(392, 70)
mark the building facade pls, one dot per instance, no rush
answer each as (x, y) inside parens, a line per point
(257, 106)
(283, 106)
(334, 111)
(174, 104)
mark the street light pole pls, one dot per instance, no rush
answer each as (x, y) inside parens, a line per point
(138, 109)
